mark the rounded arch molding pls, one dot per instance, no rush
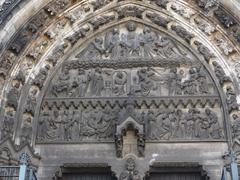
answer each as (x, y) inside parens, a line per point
(59, 29)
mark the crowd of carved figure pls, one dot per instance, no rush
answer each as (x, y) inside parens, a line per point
(76, 125)
(177, 124)
(136, 44)
(141, 81)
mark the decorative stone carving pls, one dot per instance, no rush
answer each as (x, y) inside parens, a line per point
(26, 131)
(31, 102)
(92, 96)
(129, 11)
(237, 69)
(204, 51)
(37, 50)
(56, 29)
(183, 11)
(8, 125)
(41, 76)
(224, 45)
(81, 33)
(204, 26)
(130, 172)
(20, 77)
(231, 99)
(220, 74)
(207, 5)
(57, 53)
(141, 145)
(73, 125)
(119, 145)
(157, 19)
(56, 6)
(182, 32)
(224, 18)
(236, 33)
(161, 3)
(97, 4)
(101, 20)
(144, 82)
(177, 124)
(13, 95)
(129, 44)
(77, 14)
(7, 61)
(236, 130)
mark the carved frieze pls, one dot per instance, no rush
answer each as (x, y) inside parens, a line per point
(76, 125)
(140, 81)
(183, 124)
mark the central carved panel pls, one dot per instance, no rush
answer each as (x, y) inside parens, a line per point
(131, 71)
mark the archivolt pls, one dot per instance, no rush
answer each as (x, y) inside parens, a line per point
(53, 34)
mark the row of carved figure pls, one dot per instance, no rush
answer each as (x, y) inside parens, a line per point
(92, 125)
(131, 43)
(141, 82)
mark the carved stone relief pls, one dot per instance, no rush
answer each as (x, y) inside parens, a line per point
(105, 82)
(86, 102)
(76, 125)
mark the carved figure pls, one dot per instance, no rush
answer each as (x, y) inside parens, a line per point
(215, 128)
(120, 81)
(147, 40)
(236, 128)
(112, 43)
(8, 123)
(31, 102)
(130, 173)
(62, 83)
(119, 145)
(13, 96)
(130, 42)
(95, 49)
(174, 83)
(202, 81)
(96, 82)
(144, 80)
(165, 48)
(231, 99)
(80, 84)
(41, 77)
(43, 126)
(157, 19)
(141, 144)
(26, 132)
(220, 73)
(182, 32)
(207, 5)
